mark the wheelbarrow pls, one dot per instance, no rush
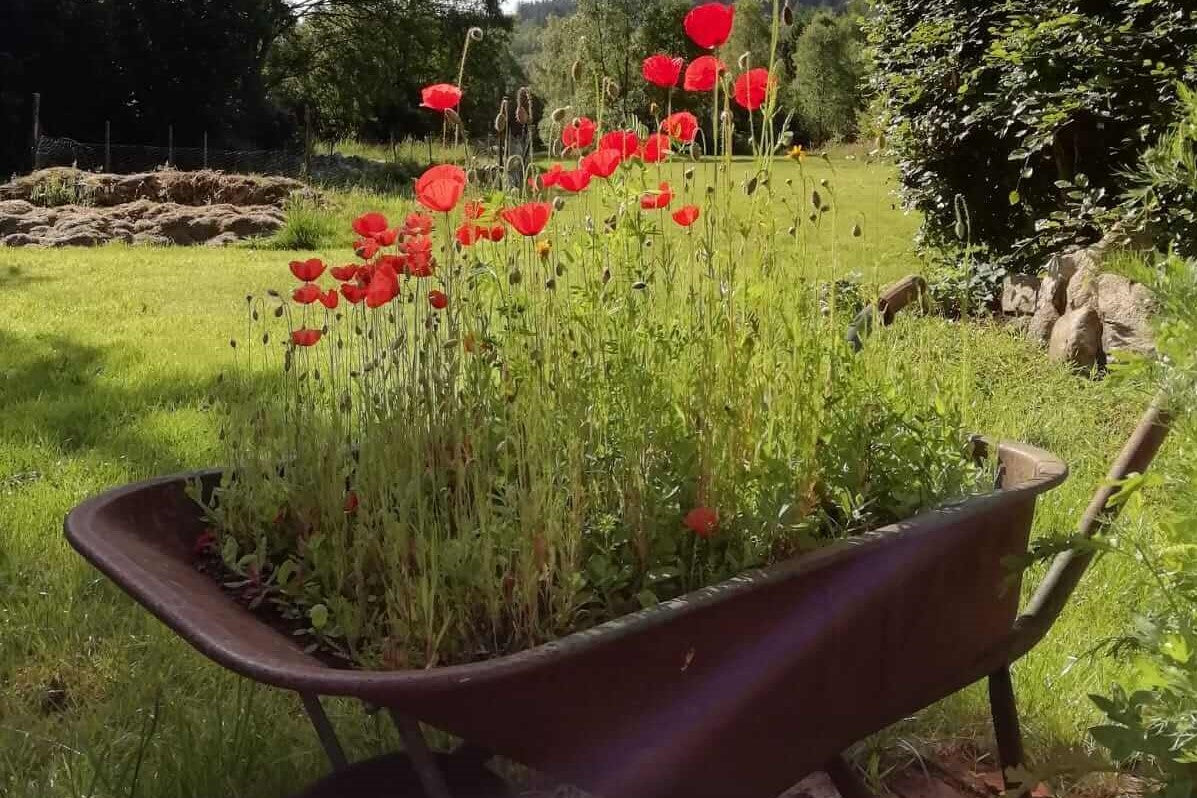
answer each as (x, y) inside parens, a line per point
(741, 689)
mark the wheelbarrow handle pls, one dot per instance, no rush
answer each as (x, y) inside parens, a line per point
(1066, 571)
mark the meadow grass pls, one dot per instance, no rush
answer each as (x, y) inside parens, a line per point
(108, 366)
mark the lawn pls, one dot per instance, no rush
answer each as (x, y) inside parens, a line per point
(108, 359)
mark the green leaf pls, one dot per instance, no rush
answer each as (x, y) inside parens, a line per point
(1015, 197)
(319, 616)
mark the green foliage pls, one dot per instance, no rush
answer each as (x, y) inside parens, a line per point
(307, 227)
(1163, 197)
(1032, 111)
(61, 187)
(829, 71)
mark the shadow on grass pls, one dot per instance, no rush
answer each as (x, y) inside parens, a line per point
(57, 392)
(16, 277)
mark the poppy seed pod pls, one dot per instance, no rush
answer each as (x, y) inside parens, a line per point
(744, 61)
(475, 34)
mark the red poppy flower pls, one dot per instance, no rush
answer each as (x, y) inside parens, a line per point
(702, 73)
(383, 287)
(438, 300)
(386, 238)
(752, 88)
(393, 262)
(661, 70)
(330, 299)
(419, 256)
(625, 142)
(441, 96)
(441, 194)
(702, 521)
(574, 181)
(656, 148)
(366, 248)
(529, 219)
(306, 337)
(686, 215)
(473, 209)
(602, 163)
(579, 134)
(353, 293)
(351, 502)
(550, 178)
(344, 273)
(307, 271)
(469, 234)
(418, 224)
(498, 233)
(710, 24)
(369, 225)
(682, 126)
(306, 294)
(657, 200)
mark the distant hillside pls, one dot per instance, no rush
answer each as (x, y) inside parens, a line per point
(537, 11)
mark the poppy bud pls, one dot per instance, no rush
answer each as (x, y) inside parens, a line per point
(824, 183)
(575, 71)
(961, 231)
(787, 138)
(606, 276)
(744, 60)
(814, 217)
(278, 312)
(558, 203)
(793, 231)
(452, 117)
(501, 123)
(558, 115)
(654, 109)
(514, 277)
(816, 200)
(710, 190)
(265, 338)
(612, 90)
(790, 182)
(750, 187)
(475, 34)
(560, 269)
(523, 116)
(856, 231)
(787, 14)
(639, 285)
(551, 284)
(689, 173)
(233, 344)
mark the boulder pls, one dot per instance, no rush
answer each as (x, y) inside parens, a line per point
(1054, 292)
(198, 188)
(1126, 308)
(1076, 338)
(1020, 294)
(1082, 288)
(1039, 329)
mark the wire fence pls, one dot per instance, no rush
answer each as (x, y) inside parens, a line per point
(131, 158)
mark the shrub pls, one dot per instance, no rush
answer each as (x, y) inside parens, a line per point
(829, 70)
(1031, 111)
(307, 227)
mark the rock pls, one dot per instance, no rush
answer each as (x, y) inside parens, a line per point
(205, 187)
(1076, 338)
(1125, 308)
(1082, 288)
(1020, 294)
(79, 236)
(222, 240)
(1040, 326)
(151, 240)
(1068, 264)
(1054, 292)
(18, 240)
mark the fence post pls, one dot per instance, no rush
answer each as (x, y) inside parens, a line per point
(205, 149)
(37, 132)
(170, 145)
(307, 140)
(108, 146)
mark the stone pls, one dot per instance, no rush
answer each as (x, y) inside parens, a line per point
(1040, 326)
(1126, 308)
(203, 187)
(1082, 288)
(1076, 338)
(1053, 291)
(1020, 294)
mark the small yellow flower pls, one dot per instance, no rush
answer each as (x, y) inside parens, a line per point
(543, 248)
(797, 153)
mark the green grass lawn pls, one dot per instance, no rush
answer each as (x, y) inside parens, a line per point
(108, 358)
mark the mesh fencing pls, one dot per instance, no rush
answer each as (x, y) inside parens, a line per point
(128, 159)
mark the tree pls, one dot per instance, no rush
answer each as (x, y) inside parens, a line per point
(829, 68)
(752, 33)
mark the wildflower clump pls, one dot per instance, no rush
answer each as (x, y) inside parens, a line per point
(532, 407)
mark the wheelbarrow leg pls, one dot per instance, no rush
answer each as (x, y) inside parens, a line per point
(844, 777)
(325, 731)
(422, 760)
(1006, 726)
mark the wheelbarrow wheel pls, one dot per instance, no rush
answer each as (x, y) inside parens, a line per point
(394, 776)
